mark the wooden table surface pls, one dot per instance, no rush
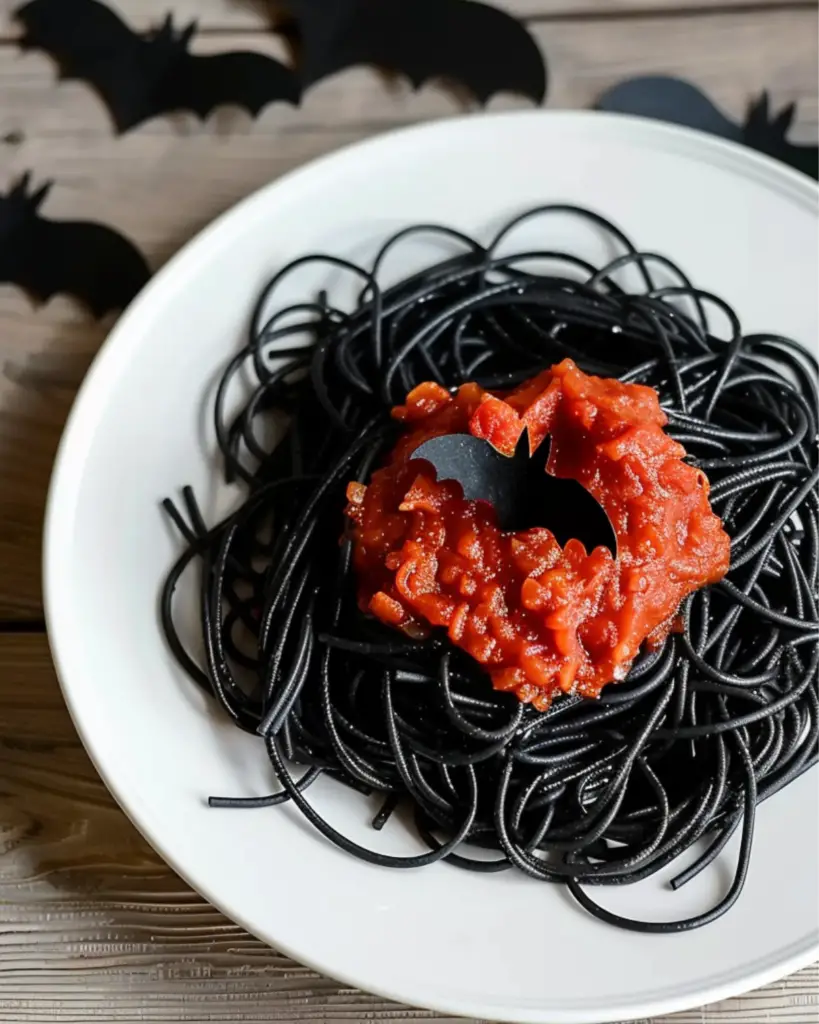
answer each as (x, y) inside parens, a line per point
(93, 925)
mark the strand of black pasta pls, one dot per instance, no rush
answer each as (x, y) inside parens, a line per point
(589, 793)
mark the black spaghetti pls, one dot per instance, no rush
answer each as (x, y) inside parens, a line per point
(601, 792)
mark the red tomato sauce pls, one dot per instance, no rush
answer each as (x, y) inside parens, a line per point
(543, 619)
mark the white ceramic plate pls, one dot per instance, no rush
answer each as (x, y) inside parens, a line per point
(497, 946)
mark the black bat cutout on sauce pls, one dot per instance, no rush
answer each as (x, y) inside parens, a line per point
(142, 76)
(523, 494)
(91, 262)
(675, 100)
(481, 48)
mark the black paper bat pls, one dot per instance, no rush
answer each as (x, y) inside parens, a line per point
(142, 76)
(92, 262)
(678, 101)
(768, 133)
(477, 46)
(523, 494)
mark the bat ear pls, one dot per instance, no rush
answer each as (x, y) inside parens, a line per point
(758, 113)
(20, 187)
(165, 29)
(761, 126)
(763, 107)
(782, 121)
(19, 192)
(188, 33)
(37, 198)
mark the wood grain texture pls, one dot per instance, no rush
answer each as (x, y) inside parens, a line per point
(219, 15)
(163, 182)
(93, 925)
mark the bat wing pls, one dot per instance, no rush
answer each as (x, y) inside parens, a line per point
(482, 472)
(480, 47)
(75, 34)
(668, 99)
(249, 80)
(89, 42)
(91, 262)
(518, 487)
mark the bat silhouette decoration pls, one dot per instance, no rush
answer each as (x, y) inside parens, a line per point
(477, 46)
(91, 262)
(141, 76)
(678, 101)
(523, 494)
(769, 135)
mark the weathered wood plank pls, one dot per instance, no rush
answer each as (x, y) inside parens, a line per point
(733, 56)
(163, 182)
(214, 15)
(94, 925)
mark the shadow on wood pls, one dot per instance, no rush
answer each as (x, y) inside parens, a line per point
(41, 366)
(87, 902)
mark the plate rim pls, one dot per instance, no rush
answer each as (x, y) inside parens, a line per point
(729, 155)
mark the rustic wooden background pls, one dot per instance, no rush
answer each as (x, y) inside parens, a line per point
(92, 924)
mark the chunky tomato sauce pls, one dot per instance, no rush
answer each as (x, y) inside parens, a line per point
(543, 619)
